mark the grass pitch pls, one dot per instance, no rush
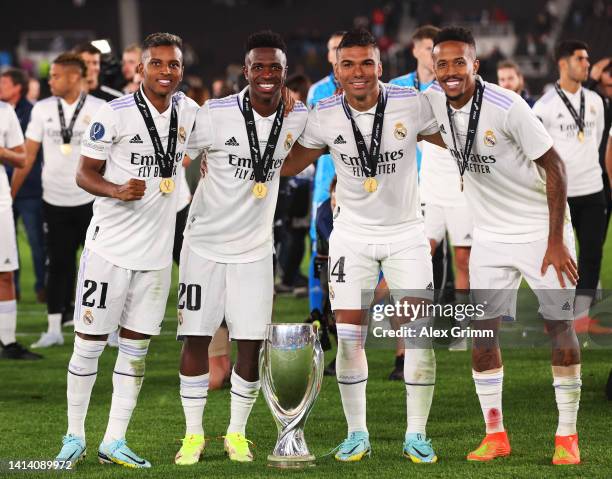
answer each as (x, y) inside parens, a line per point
(33, 412)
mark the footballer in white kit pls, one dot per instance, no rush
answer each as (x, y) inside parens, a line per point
(516, 186)
(57, 125)
(371, 131)
(131, 158)
(12, 152)
(574, 117)
(226, 260)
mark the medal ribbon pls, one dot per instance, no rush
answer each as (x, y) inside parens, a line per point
(261, 166)
(369, 160)
(472, 126)
(579, 119)
(67, 132)
(164, 160)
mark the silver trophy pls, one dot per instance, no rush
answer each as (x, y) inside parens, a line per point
(291, 372)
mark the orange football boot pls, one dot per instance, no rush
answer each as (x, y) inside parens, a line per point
(566, 450)
(493, 445)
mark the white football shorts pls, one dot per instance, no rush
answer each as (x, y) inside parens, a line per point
(108, 296)
(242, 293)
(457, 220)
(8, 243)
(354, 269)
(496, 270)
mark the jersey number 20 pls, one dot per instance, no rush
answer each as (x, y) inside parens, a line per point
(190, 296)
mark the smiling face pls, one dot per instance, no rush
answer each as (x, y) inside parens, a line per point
(358, 70)
(455, 67)
(266, 70)
(161, 69)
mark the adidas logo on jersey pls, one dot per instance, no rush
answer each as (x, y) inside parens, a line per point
(560, 115)
(7, 261)
(442, 129)
(566, 306)
(430, 286)
(232, 142)
(136, 139)
(339, 140)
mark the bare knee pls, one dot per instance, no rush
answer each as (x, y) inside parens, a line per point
(486, 354)
(247, 362)
(356, 317)
(194, 355)
(92, 337)
(7, 286)
(129, 334)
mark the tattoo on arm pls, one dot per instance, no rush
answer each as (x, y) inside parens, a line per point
(556, 191)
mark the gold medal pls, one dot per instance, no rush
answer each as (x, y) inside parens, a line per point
(370, 185)
(260, 190)
(166, 186)
(581, 136)
(66, 148)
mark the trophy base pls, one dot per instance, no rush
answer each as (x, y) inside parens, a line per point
(291, 462)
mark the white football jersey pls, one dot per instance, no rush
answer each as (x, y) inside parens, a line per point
(10, 137)
(581, 158)
(226, 222)
(59, 170)
(388, 214)
(184, 194)
(440, 180)
(503, 185)
(136, 235)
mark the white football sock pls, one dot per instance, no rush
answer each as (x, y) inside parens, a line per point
(352, 374)
(567, 394)
(489, 385)
(127, 381)
(194, 391)
(54, 323)
(243, 396)
(420, 378)
(82, 372)
(8, 321)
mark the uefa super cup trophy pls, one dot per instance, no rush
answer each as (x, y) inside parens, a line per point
(291, 372)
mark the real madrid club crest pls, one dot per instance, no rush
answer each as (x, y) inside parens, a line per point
(182, 136)
(288, 141)
(88, 317)
(332, 295)
(400, 131)
(179, 316)
(489, 138)
(87, 119)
